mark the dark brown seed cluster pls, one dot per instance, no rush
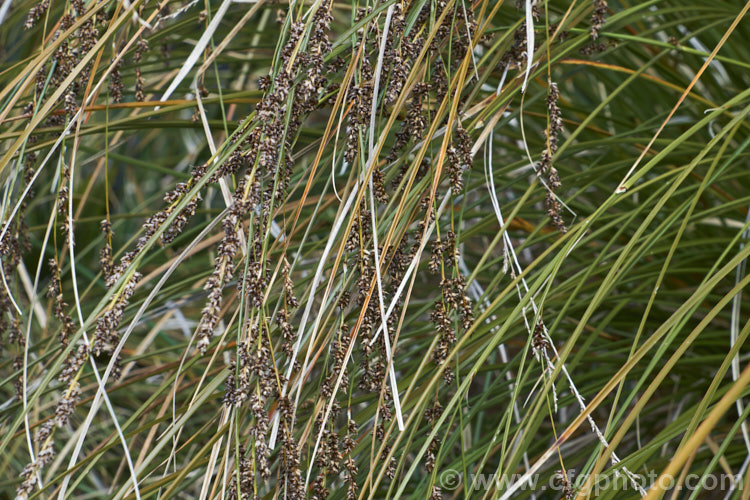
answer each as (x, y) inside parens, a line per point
(238, 385)
(55, 292)
(115, 82)
(105, 254)
(432, 415)
(562, 35)
(398, 55)
(73, 363)
(565, 485)
(545, 168)
(45, 439)
(173, 197)
(223, 272)
(459, 159)
(140, 47)
(12, 246)
(593, 48)
(412, 128)
(67, 55)
(440, 247)
(245, 475)
(252, 379)
(153, 224)
(330, 453)
(290, 299)
(107, 336)
(62, 201)
(535, 10)
(360, 231)
(416, 122)
(36, 13)
(373, 357)
(551, 134)
(257, 276)
(287, 331)
(350, 465)
(454, 294)
(598, 18)
(515, 57)
(539, 341)
(453, 305)
(88, 35)
(463, 34)
(338, 353)
(289, 463)
(181, 221)
(311, 61)
(31, 472)
(360, 96)
(400, 51)
(444, 327)
(66, 405)
(150, 227)
(391, 466)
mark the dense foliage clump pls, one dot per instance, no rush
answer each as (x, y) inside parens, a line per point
(425, 248)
